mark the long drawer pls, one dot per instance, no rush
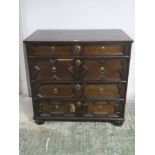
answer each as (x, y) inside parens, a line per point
(109, 70)
(88, 91)
(80, 108)
(77, 50)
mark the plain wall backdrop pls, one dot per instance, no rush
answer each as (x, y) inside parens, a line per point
(76, 14)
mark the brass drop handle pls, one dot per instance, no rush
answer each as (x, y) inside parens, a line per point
(53, 69)
(55, 91)
(78, 87)
(72, 107)
(102, 49)
(78, 62)
(102, 69)
(53, 49)
(78, 103)
(77, 48)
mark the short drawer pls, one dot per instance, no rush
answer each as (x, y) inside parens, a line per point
(106, 91)
(103, 108)
(102, 50)
(112, 70)
(55, 108)
(51, 90)
(46, 90)
(60, 108)
(52, 69)
(51, 50)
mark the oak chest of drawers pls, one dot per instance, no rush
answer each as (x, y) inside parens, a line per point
(78, 75)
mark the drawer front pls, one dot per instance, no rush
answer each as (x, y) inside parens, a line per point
(59, 108)
(104, 70)
(52, 69)
(77, 69)
(54, 90)
(77, 50)
(102, 50)
(79, 91)
(107, 91)
(51, 50)
(103, 108)
(48, 90)
(55, 108)
(80, 108)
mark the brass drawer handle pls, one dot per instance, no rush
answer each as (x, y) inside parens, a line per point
(78, 103)
(53, 49)
(78, 62)
(55, 91)
(78, 87)
(72, 107)
(102, 49)
(77, 48)
(100, 107)
(56, 106)
(54, 69)
(101, 90)
(102, 69)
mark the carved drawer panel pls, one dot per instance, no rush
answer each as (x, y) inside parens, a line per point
(108, 91)
(52, 69)
(103, 108)
(96, 50)
(49, 90)
(55, 108)
(54, 90)
(80, 108)
(104, 70)
(63, 108)
(51, 50)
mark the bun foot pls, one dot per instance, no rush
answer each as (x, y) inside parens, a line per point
(39, 122)
(118, 123)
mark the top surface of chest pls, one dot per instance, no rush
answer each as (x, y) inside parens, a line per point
(108, 35)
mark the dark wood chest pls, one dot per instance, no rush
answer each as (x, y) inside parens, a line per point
(78, 75)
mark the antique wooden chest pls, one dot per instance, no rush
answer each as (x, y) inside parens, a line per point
(78, 75)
